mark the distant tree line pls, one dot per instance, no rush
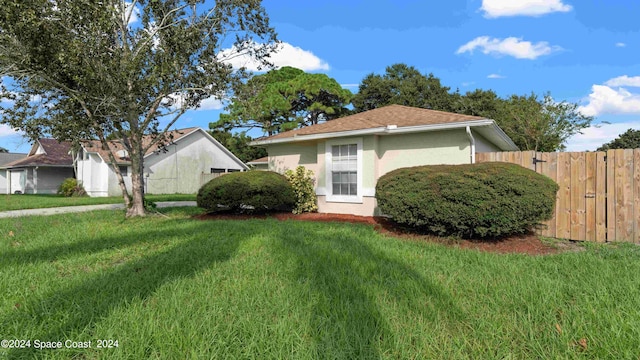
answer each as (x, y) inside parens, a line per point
(289, 98)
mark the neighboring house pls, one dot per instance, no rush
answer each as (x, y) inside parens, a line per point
(181, 166)
(349, 154)
(6, 158)
(259, 164)
(42, 171)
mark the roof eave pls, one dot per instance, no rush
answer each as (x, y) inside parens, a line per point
(501, 139)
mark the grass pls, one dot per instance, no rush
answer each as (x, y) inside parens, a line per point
(28, 201)
(175, 287)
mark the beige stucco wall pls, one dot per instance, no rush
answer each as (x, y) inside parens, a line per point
(368, 207)
(428, 148)
(283, 157)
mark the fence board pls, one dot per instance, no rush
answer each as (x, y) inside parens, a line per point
(577, 195)
(563, 214)
(624, 198)
(590, 196)
(636, 196)
(549, 168)
(611, 195)
(601, 197)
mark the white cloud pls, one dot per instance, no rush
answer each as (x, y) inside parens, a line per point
(285, 55)
(499, 8)
(6, 130)
(620, 44)
(624, 80)
(607, 100)
(510, 46)
(495, 76)
(595, 136)
(131, 13)
(211, 103)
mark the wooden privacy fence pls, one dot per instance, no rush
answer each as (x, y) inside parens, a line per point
(599, 195)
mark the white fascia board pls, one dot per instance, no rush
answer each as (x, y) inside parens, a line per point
(384, 130)
(497, 136)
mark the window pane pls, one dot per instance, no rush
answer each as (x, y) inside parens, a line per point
(353, 189)
(335, 177)
(353, 150)
(353, 177)
(336, 189)
(344, 189)
(335, 152)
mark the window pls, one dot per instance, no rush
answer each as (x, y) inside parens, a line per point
(344, 169)
(217, 171)
(343, 160)
(123, 170)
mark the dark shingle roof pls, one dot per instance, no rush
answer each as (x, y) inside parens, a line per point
(55, 154)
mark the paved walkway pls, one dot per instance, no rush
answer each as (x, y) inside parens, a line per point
(83, 208)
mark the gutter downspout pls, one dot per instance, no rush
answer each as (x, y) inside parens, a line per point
(472, 142)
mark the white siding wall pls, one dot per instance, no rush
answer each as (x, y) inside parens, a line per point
(179, 170)
(93, 173)
(4, 183)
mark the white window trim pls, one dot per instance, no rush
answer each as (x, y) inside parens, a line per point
(328, 161)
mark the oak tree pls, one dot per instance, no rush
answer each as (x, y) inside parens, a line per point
(80, 69)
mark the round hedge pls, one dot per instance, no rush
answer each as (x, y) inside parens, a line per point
(472, 200)
(251, 191)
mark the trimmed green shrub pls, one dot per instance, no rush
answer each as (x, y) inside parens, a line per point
(301, 181)
(70, 187)
(473, 200)
(251, 191)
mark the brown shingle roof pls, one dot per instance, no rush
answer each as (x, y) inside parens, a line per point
(95, 146)
(399, 115)
(56, 154)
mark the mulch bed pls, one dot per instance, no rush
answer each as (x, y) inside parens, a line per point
(521, 244)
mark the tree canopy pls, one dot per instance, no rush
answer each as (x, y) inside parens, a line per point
(630, 139)
(238, 144)
(3, 150)
(85, 69)
(540, 124)
(402, 85)
(533, 123)
(284, 99)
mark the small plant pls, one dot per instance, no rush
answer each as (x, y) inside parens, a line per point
(302, 182)
(71, 188)
(251, 191)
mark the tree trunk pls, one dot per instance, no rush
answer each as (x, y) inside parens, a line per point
(136, 207)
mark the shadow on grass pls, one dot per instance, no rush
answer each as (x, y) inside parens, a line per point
(76, 309)
(350, 280)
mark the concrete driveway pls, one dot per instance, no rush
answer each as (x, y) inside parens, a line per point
(84, 208)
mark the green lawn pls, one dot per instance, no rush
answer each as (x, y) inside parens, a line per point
(173, 287)
(27, 201)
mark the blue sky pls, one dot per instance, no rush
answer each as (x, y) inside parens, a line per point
(586, 52)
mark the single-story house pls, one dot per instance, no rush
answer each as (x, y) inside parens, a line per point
(349, 154)
(6, 158)
(180, 167)
(42, 171)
